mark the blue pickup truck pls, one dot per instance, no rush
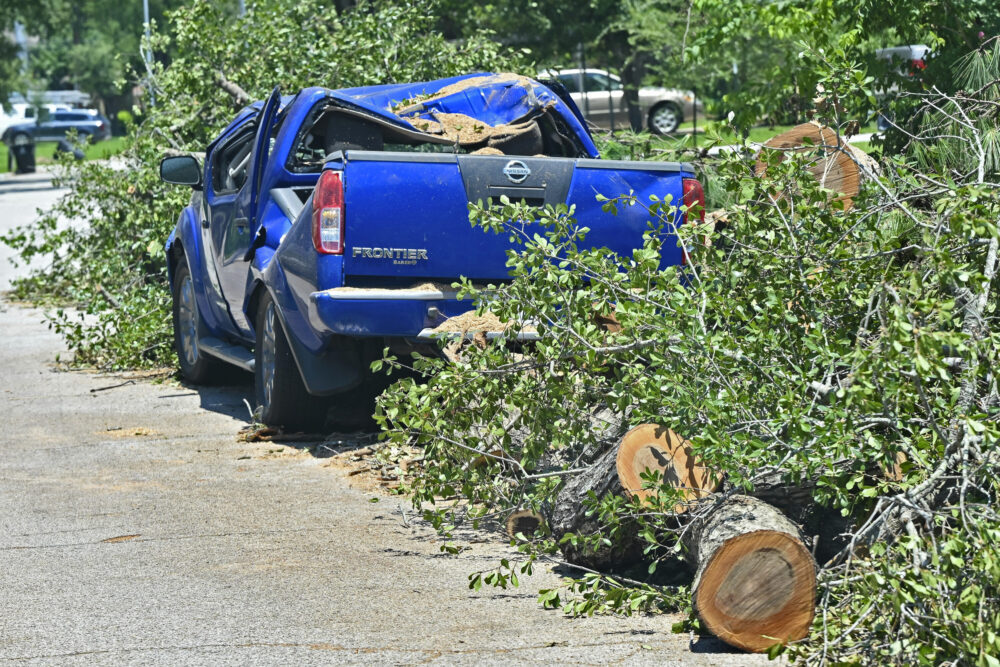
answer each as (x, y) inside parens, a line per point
(326, 226)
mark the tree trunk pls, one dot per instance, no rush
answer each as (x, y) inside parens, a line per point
(618, 472)
(755, 581)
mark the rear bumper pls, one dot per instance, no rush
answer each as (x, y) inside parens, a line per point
(383, 312)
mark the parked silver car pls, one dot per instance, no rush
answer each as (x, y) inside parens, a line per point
(601, 98)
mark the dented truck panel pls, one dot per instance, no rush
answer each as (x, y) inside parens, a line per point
(411, 158)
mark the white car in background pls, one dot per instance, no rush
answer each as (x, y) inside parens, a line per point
(601, 98)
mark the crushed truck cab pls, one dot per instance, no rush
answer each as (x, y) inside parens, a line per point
(328, 225)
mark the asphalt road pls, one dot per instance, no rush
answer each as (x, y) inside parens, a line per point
(136, 529)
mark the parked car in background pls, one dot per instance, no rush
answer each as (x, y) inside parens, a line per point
(601, 97)
(88, 123)
(907, 62)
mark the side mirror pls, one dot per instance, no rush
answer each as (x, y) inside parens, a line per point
(180, 170)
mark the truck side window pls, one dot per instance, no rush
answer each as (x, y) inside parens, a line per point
(231, 162)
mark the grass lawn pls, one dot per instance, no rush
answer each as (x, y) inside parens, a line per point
(46, 149)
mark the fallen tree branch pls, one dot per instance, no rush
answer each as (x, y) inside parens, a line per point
(240, 96)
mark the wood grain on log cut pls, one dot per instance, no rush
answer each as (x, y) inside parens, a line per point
(657, 448)
(836, 165)
(607, 321)
(525, 522)
(755, 581)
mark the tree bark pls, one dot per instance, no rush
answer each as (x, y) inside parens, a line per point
(755, 581)
(569, 515)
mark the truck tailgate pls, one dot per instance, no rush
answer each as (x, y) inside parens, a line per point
(406, 214)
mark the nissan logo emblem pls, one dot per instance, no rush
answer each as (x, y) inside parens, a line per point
(516, 171)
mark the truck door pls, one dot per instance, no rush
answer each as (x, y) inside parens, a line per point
(239, 230)
(226, 174)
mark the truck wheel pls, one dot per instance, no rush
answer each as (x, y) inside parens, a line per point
(196, 366)
(281, 397)
(21, 139)
(664, 118)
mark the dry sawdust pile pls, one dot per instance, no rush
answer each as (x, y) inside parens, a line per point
(376, 467)
(429, 287)
(460, 128)
(469, 321)
(514, 138)
(416, 287)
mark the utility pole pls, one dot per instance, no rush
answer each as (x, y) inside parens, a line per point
(22, 44)
(148, 54)
(583, 79)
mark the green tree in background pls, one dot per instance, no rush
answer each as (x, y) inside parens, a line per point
(640, 39)
(766, 40)
(90, 45)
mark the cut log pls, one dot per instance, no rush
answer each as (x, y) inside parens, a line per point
(525, 522)
(835, 164)
(617, 472)
(795, 500)
(755, 581)
(651, 447)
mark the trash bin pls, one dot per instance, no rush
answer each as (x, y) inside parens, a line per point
(24, 156)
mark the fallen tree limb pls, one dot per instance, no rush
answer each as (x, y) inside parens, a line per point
(240, 96)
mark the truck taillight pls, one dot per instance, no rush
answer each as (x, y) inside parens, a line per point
(694, 200)
(328, 214)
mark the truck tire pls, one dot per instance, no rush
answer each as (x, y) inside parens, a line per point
(664, 118)
(196, 366)
(282, 399)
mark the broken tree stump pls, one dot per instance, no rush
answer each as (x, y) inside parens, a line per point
(617, 472)
(755, 581)
(835, 164)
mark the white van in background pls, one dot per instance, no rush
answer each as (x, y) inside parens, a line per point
(22, 112)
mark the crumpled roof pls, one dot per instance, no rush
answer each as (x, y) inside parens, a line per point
(494, 99)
